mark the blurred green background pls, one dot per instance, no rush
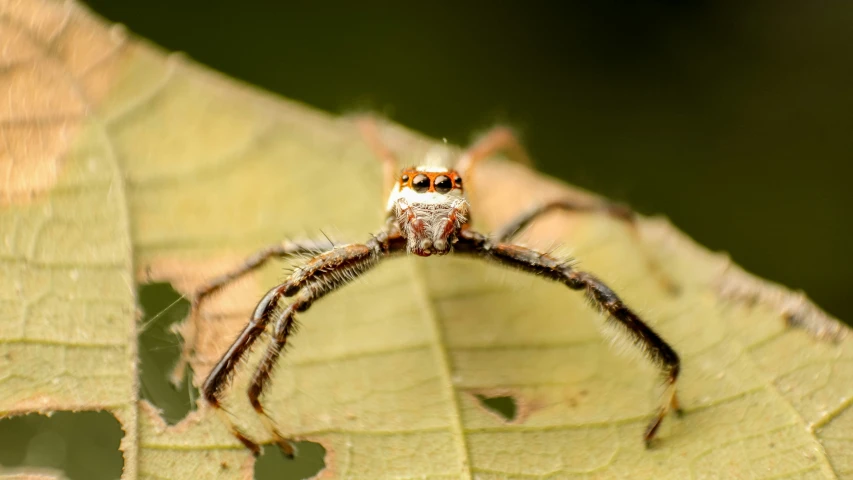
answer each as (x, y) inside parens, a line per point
(734, 119)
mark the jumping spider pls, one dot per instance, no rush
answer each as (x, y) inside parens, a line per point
(427, 214)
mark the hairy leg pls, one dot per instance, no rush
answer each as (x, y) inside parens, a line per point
(509, 230)
(319, 276)
(618, 211)
(390, 165)
(221, 374)
(253, 262)
(259, 258)
(601, 296)
(496, 140)
(503, 140)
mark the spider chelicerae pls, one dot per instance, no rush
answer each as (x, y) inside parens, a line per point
(427, 214)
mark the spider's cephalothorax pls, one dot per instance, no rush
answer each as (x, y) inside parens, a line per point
(427, 214)
(428, 206)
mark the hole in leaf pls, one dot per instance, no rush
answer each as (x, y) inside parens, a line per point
(504, 406)
(83, 445)
(160, 350)
(308, 462)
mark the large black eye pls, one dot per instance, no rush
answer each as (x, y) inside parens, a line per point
(420, 183)
(443, 184)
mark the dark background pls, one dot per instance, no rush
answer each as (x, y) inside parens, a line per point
(735, 119)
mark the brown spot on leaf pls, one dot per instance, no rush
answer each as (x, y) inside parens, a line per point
(43, 21)
(795, 308)
(735, 284)
(57, 66)
(18, 47)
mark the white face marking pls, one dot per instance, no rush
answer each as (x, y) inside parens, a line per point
(428, 198)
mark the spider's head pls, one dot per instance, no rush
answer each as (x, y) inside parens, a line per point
(429, 207)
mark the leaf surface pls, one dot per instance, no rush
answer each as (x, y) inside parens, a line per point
(123, 165)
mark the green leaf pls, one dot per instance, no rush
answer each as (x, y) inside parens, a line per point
(125, 165)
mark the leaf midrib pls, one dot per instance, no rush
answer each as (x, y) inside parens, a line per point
(443, 355)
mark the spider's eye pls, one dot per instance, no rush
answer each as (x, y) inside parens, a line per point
(404, 179)
(420, 183)
(458, 182)
(443, 184)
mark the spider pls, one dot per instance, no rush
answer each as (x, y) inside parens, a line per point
(427, 214)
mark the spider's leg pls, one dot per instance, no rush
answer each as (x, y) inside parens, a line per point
(657, 350)
(652, 345)
(510, 229)
(253, 262)
(319, 276)
(616, 210)
(322, 275)
(390, 165)
(503, 140)
(219, 377)
(256, 260)
(497, 140)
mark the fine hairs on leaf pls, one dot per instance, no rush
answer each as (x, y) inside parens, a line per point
(127, 165)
